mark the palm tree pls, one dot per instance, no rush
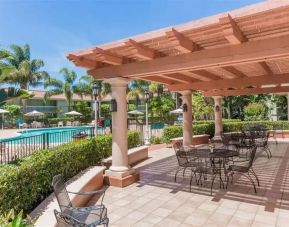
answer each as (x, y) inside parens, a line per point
(84, 87)
(19, 69)
(65, 87)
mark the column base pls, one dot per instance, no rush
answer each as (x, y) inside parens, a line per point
(216, 139)
(120, 179)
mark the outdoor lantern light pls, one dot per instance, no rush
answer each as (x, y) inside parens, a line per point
(217, 108)
(146, 96)
(96, 90)
(185, 108)
(113, 105)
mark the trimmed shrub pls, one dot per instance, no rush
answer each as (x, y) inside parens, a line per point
(24, 185)
(209, 128)
(156, 140)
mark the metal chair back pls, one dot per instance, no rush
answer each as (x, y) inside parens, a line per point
(180, 154)
(60, 192)
(252, 156)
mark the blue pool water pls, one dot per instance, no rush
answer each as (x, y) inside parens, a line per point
(48, 135)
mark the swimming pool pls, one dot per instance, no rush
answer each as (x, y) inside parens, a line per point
(31, 140)
(51, 135)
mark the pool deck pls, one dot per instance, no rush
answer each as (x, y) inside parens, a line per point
(6, 133)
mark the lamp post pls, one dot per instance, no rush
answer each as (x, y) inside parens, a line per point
(95, 92)
(147, 96)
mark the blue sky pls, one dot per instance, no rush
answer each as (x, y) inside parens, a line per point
(52, 28)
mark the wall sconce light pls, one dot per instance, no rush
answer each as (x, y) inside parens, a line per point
(217, 108)
(113, 106)
(185, 108)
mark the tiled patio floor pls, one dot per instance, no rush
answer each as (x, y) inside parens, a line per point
(156, 200)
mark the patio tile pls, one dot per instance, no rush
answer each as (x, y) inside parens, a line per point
(260, 224)
(125, 222)
(162, 212)
(137, 215)
(218, 219)
(152, 219)
(239, 222)
(266, 219)
(198, 218)
(158, 200)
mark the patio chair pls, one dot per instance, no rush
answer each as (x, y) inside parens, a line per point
(184, 161)
(262, 142)
(86, 216)
(60, 124)
(68, 123)
(245, 169)
(210, 167)
(82, 220)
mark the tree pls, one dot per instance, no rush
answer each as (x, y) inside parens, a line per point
(255, 111)
(65, 87)
(84, 87)
(83, 108)
(18, 68)
(203, 107)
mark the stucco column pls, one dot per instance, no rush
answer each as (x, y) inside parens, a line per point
(187, 118)
(119, 167)
(218, 117)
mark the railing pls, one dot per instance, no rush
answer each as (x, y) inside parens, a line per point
(12, 149)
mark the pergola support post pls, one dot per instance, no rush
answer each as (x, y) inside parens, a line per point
(218, 117)
(187, 117)
(120, 174)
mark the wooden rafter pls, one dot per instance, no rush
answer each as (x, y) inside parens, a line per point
(248, 52)
(234, 83)
(179, 77)
(265, 67)
(206, 74)
(142, 51)
(195, 76)
(231, 30)
(184, 44)
(109, 57)
(234, 71)
(84, 62)
(248, 91)
(161, 80)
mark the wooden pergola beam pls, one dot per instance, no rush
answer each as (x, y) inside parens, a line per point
(248, 91)
(185, 45)
(109, 57)
(179, 77)
(233, 83)
(266, 67)
(160, 79)
(231, 30)
(234, 71)
(206, 74)
(84, 62)
(142, 51)
(248, 52)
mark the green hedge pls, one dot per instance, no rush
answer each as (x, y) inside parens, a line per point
(23, 186)
(208, 127)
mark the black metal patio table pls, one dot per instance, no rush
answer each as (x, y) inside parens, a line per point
(212, 153)
(214, 160)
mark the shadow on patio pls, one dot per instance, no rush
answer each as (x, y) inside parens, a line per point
(272, 193)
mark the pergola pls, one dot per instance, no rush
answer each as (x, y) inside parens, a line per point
(245, 51)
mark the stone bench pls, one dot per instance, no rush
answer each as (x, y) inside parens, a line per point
(88, 180)
(135, 155)
(197, 139)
